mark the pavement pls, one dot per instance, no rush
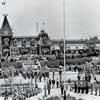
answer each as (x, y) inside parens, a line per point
(57, 92)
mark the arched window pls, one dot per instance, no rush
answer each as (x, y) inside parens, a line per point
(6, 41)
(15, 42)
(24, 42)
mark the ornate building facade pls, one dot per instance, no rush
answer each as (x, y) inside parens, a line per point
(12, 46)
(40, 44)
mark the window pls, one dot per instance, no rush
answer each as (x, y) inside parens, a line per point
(23, 42)
(32, 42)
(15, 42)
(6, 41)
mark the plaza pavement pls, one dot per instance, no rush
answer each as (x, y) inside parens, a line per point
(57, 92)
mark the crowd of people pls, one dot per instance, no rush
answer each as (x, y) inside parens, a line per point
(83, 85)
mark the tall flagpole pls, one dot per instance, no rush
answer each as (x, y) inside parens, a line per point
(43, 26)
(64, 49)
(37, 27)
(64, 36)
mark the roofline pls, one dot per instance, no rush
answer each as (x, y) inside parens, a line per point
(25, 37)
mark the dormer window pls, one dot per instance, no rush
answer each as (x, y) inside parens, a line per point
(23, 42)
(15, 42)
(32, 42)
(6, 41)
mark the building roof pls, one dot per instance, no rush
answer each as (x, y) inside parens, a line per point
(76, 41)
(25, 37)
(6, 25)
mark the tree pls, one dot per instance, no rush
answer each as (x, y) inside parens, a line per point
(91, 44)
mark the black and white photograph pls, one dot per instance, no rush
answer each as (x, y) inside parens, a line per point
(49, 49)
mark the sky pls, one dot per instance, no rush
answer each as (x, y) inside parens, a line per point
(82, 17)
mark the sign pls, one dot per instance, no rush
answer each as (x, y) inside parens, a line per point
(24, 50)
(45, 49)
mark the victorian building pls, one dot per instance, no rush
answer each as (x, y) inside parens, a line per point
(12, 46)
(41, 44)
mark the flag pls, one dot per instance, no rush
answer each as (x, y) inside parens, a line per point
(3, 3)
(43, 23)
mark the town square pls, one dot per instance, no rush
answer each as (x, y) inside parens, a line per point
(43, 66)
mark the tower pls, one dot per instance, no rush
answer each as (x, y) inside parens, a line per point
(6, 37)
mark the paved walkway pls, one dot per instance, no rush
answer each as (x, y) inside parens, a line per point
(57, 92)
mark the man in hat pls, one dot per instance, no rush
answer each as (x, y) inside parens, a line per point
(49, 88)
(87, 88)
(57, 83)
(62, 88)
(75, 86)
(79, 87)
(96, 88)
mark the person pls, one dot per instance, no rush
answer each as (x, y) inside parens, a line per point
(49, 88)
(45, 94)
(62, 88)
(15, 95)
(53, 75)
(50, 82)
(91, 88)
(87, 88)
(53, 83)
(79, 87)
(78, 77)
(83, 87)
(89, 78)
(57, 83)
(99, 88)
(40, 78)
(6, 96)
(75, 86)
(96, 88)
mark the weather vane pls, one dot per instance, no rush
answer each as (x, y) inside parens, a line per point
(4, 4)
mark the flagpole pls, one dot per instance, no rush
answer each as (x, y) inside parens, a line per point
(37, 27)
(43, 26)
(64, 50)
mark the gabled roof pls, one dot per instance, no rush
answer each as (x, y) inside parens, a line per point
(6, 25)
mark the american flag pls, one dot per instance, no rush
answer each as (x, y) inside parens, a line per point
(3, 3)
(43, 23)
